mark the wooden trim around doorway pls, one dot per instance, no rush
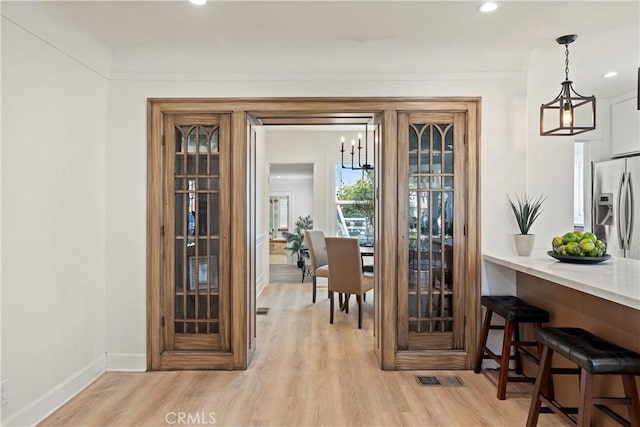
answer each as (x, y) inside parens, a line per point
(342, 110)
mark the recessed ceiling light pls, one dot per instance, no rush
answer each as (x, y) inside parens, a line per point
(487, 7)
(198, 2)
(609, 74)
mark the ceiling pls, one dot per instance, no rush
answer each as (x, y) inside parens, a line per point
(360, 37)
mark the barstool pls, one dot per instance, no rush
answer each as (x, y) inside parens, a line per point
(514, 311)
(594, 356)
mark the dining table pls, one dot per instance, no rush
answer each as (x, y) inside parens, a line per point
(366, 252)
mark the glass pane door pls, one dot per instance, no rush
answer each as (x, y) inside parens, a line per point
(198, 288)
(196, 234)
(430, 228)
(429, 148)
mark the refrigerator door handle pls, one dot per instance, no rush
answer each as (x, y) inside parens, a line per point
(619, 216)
(630, 213)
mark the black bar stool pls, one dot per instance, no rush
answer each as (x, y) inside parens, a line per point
(514, 311)
(594, 356)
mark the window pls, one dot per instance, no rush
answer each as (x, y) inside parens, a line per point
(354, 204)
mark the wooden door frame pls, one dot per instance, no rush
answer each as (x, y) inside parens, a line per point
(312, 111)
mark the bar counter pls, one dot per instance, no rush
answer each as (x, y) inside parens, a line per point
(603, 298)
(616, 279)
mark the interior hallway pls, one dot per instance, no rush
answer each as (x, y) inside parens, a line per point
(304, 372)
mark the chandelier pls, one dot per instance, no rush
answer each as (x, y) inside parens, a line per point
(562, 110)
(360, 165)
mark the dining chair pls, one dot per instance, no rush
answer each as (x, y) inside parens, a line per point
(345, 274)
(318, 253)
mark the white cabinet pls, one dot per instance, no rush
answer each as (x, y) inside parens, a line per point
(625, 127)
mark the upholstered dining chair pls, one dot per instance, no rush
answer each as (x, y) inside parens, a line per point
(345, 274)
(318, 253)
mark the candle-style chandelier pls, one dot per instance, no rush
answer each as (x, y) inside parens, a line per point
(357, 166)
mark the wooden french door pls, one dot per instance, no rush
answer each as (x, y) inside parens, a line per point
(433, 288)
(195, 293)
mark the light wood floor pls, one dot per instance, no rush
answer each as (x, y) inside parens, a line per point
(305, 372)
(286, 273)
(277, 259)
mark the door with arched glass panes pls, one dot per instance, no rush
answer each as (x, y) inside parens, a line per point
(196, 244)
(432, 218)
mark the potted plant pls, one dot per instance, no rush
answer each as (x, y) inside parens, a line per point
(526, 212)
(295, 240)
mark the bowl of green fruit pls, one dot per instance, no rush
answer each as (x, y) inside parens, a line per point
(579, 248)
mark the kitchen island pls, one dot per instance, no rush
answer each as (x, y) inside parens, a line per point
(603, 298)
(616, 280)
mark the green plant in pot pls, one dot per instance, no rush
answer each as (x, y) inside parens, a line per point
(295, 240)
(526, 210)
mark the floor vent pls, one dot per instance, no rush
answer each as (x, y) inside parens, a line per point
(262, 311)
(445, 381)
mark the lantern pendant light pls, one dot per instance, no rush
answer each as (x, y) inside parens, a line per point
(569, 113)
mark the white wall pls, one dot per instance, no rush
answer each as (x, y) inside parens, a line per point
(550, 159)
(53, 223)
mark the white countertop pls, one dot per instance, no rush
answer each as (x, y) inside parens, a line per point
(617, 279)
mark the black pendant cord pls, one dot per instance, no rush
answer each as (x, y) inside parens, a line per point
(566, 61)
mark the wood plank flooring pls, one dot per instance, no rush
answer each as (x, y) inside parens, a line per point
(305, 372)
(286, 273)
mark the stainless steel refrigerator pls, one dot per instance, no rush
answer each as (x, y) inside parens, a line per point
(616, 205)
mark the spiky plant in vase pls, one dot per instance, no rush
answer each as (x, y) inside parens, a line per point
(526, 211)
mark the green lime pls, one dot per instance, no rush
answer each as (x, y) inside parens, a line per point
(557, 241)
(573, 248)
(590, 236)
(569, 237)
(587, 245)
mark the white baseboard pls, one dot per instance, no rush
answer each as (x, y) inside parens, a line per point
(57, 396)
(127, 362)
(260, 284)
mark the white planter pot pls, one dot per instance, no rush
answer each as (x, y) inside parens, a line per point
(524, 243)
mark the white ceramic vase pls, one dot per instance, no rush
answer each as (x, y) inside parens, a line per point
(524, 243)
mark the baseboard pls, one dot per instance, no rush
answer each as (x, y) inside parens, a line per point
(260, 285)
(127, 362)
(57, 396)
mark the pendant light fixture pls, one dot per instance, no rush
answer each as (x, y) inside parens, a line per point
(569, 113)
(358, 166)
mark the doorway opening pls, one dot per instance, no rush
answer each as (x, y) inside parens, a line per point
(300, 180)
